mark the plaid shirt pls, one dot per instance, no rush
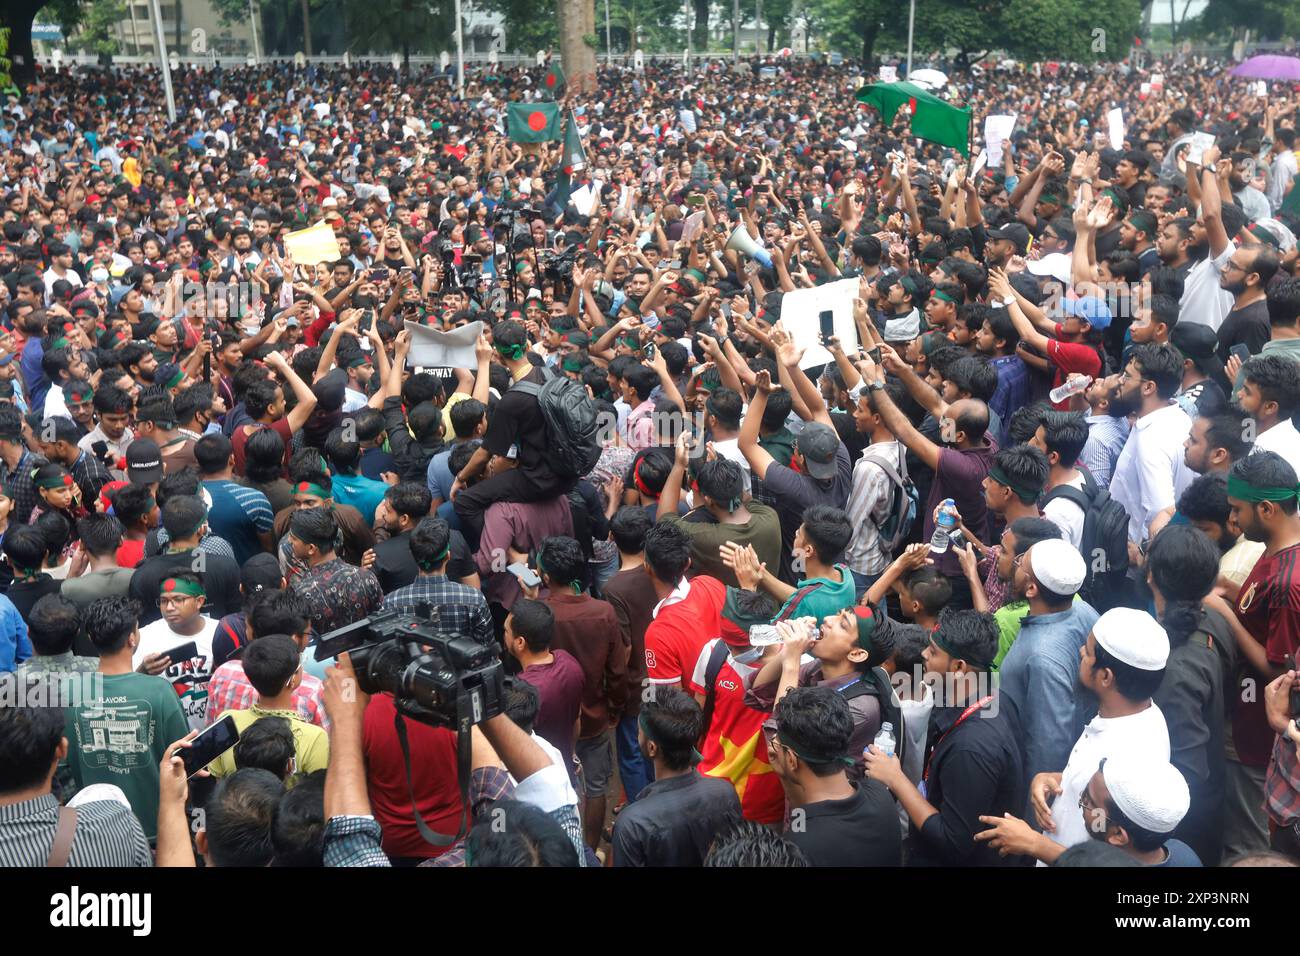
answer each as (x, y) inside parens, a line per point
(20, 479)
(461, 608)
(1282, 783)
(90, 475)
(229, 689)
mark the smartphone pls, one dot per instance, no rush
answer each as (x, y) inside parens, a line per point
(649, 350)
(378, 274)
(726, 309)
(826, 320)
(874, 354)
(182, 652)
(1241, 350)
(209, 745)
(526, 575)
(695, 200)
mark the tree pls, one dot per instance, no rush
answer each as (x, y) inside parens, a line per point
(17, 16)
(577, 23)
(1266, 19)
(97, 24)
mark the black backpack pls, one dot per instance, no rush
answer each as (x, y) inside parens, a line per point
(875, 683)
(572, 432)
(904, 501)
(1104, 545)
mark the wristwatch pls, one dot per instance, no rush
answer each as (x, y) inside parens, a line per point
(876, 386)
(1008, 301)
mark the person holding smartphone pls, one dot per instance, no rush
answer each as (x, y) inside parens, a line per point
(179, 647)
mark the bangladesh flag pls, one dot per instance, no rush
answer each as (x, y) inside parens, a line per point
(533, 122)
(553, 80)
(932, 118)
(573, 159)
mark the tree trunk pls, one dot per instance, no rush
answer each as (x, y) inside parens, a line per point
(306, 26)
(869, 46)
(577, 18)
(701, 33)
(18, 17)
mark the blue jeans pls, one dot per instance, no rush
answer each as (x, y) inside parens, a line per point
(600, 573)
(633, 769)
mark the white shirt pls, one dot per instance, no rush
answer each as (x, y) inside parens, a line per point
(548, 790)
(1143, 735)
(1150, 473)
(730, 450)
(1066, 515)
(52, 277)
(1204, 301)
(56, 406)
(1282, 438)
(189, 677)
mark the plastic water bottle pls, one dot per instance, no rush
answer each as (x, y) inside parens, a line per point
(944, 526)
(763, 635)
(885, 741)
(1073, 386)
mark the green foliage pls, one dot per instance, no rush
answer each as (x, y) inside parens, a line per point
(1266, 19)
(99, 17)
(6, 81)
(383, 25)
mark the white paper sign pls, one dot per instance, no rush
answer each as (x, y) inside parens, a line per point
(800, 311)
(977, 167)
(1157, 82)
(454, 349)
(1197, 146)
(687, 118)
(692, 226)
(997, 130)
(888, 74)
(1115, 125)
(585, 199)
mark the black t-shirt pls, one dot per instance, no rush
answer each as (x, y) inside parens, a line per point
(220, 576)
(394, 565)
(1249, 326)
(517, 419)
(861, 830)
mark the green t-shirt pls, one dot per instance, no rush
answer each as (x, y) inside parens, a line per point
(120, 736)
(762, 530)
(821, 597)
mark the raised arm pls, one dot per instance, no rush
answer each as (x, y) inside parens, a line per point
(301, 390)
(747, 441)
(896, 421)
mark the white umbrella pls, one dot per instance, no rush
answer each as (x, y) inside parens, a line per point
(928, 79)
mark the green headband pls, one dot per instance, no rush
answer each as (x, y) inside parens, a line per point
(54, 481)
(572, 365)
(1025, 494)
(736, 616)
(179, 586)
(1243, 490)
(436, 560)
(311, 488)
(176, 379)
(943, 296)
(942, 643)
(509, 351)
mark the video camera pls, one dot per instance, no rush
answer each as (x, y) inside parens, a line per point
(437, 678)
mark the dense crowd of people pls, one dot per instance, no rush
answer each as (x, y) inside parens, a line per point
(1005, 578)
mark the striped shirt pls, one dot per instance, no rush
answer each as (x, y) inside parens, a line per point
(239, 514)
(1106, 437)
(868, 506)
(107, 834)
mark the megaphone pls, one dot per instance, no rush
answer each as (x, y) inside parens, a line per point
(741, 241)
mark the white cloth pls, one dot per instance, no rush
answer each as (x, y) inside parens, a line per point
(1282, 438)
(1204, 301)
(1150, 473)
(1067, 516)
(547, 789)
(56, 406)
(1143, 736)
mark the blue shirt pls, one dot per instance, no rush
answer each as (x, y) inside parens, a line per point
(1039, 681)
(1106, 437)
(361, 493)
(374, 462)
(14, 645)
(33, 375)
(238, 514)
(439, 477)
(1012, 392)
(1180, 854)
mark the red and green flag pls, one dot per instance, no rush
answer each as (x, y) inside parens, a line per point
(533, 122)
(932, 118)
(573, 159)
(552, 81)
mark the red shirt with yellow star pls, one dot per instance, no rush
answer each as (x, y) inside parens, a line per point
(735, 747)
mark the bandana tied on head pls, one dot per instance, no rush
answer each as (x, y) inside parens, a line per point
(1243, 490)
(514, 352)
(53, 481)
(1022, 492)
(311, 488)
(737, 622)
(866, 628)
(179, 586)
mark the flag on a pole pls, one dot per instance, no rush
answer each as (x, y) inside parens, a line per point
(932, 118)
(533, 122)
(552, 80)
(573, 159)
